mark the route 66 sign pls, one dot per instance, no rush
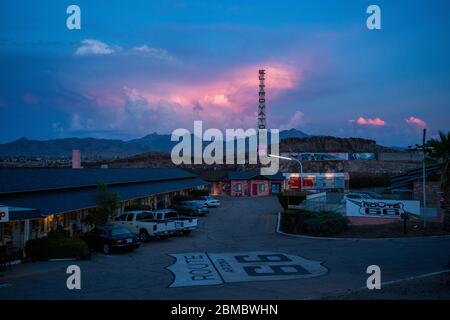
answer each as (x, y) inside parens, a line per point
(199, 268)
(382, 208)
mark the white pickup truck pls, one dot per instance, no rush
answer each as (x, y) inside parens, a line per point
(143, 224)
(183, 224)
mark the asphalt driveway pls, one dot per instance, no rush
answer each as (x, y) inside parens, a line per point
(240, 225)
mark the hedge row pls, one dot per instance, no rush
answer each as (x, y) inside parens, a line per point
(56, 245)
(321, 223)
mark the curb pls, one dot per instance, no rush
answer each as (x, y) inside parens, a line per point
(62, 259)
(351, 239)
(420, 276)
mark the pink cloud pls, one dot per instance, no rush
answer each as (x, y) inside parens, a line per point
(367, 121)
(416, 121)
(226, 101)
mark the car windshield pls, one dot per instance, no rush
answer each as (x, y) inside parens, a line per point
(120, 232)
(145, 216)
(171, 215)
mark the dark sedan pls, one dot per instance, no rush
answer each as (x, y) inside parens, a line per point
(191, 208)
(111, 238)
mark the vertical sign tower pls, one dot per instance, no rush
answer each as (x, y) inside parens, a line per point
(262, 100)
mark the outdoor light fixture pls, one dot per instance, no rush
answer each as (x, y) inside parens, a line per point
(291, 159)
(329, 175)
(424, 149)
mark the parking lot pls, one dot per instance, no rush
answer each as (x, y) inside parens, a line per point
(240, 235)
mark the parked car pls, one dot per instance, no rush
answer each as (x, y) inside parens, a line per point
(210, 201)
(143, 224)
(111, 238)
(372, 195)
(355, 196)
(191, 208)
(182, 224)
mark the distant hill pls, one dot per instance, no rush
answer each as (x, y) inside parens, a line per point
(331, 144)
(89, 147)
(292, 133)
(99, 148)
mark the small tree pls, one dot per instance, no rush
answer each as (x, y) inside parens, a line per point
(107, 204)
(439, 152)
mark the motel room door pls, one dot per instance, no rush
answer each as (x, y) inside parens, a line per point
(254, 189)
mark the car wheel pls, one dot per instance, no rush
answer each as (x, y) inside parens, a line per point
(143, 236)
(106, 248)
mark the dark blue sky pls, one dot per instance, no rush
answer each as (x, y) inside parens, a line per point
(137, 67)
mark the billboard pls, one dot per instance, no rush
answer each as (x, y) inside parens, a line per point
(361, 156)
(315, 156)
(381, 208)
(333, 156)
(4, 214)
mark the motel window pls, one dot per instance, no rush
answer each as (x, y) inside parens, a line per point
(262, 187)
(238, 187)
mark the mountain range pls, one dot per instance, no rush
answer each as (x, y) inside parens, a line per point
(100, 148)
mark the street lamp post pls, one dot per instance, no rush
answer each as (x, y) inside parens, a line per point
(423, 180)
(424, 188)
(292, 159)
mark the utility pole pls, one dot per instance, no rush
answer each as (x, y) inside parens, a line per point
(423, 179)
(292, 159)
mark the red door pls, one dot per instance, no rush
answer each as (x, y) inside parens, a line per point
(254, 189)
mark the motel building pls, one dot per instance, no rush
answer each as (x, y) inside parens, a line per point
(36, 201)
(328, 181)
(254, 184)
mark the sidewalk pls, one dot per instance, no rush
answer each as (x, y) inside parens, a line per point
(27, 269)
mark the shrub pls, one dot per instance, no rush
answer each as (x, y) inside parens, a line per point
(56, 245)
(326, 223)
(323, 223)
(290, 198)
(293, 221)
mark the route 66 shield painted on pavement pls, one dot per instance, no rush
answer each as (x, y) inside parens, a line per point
(200, 268)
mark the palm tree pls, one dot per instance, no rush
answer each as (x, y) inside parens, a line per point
(439, 151)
